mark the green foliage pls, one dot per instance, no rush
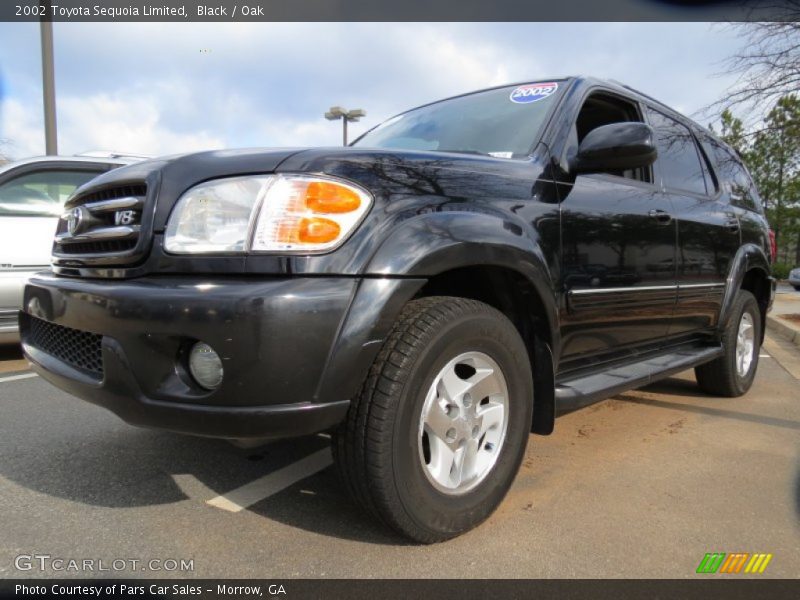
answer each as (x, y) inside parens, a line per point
(780, 270)
(771, 153)
(733, 131)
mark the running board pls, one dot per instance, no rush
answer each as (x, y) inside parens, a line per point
(581, 391)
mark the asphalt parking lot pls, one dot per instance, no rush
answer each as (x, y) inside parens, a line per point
(642, 485)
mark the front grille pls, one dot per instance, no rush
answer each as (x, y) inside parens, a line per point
(115, 192)
(79, 349)
(98, 247)
(103, 226)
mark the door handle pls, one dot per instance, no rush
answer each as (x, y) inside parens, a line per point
(732, 225)
(661, 216)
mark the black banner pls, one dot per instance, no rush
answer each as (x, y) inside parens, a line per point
(441, 589)
(397, 10)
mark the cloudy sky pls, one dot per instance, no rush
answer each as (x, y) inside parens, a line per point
(166, 88)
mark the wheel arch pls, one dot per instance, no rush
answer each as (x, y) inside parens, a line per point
(510, 292)
(751, 271)
(496, 247)
(480, 255)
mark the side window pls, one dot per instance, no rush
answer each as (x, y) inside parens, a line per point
(678, 157)
(735, 178)
(41, 193)
(604, 109)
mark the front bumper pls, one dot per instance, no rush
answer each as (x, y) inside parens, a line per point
(275, 337)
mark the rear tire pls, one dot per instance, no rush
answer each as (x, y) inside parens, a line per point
(732, 374)
(797, 287)
(425, 485)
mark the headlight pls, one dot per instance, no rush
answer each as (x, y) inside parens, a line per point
(275, 213)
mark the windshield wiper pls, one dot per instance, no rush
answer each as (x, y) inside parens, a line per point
(478, 152)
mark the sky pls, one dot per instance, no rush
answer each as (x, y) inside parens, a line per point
(155, 89)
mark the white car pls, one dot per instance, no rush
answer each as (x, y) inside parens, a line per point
(32, 195)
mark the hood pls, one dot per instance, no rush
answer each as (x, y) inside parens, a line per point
(26, 241)
(459, 175)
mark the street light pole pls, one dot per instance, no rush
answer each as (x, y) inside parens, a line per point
(49, 86)
(337, 112)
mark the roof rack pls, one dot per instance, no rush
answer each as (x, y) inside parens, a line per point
(110, 154)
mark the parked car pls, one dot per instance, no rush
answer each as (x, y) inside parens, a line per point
(414, 293)
(794, 278)
(32, 195)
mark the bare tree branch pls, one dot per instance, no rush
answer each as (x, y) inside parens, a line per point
(4, 145)
(767, 66)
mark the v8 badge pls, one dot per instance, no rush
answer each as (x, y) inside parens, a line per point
(124, 217)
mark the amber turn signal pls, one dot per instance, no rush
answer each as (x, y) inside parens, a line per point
(316, 230)
(307, 230)
(329, 197)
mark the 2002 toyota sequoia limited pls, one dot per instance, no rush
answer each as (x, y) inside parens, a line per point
(432, 293)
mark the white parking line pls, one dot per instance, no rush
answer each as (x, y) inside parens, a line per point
(17, 377)
(264, 487)
(192, 487)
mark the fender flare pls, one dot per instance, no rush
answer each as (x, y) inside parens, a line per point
(431, 244)
(748, 257)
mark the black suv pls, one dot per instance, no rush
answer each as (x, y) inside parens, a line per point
(432, 293)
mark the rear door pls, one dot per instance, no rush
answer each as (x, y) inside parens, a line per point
(708, 227)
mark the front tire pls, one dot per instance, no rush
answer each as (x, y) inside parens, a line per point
(436, 436)
(732, 374)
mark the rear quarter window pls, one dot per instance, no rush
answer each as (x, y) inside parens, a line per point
(735, 180)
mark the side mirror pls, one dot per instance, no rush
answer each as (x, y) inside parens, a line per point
(615, 147)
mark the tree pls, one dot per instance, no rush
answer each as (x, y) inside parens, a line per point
(733, 131)
(767, 70)
(767, 66)
(775, 158)
(772, 155)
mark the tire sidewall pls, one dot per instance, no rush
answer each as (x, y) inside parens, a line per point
(426, 506)
(747, 304)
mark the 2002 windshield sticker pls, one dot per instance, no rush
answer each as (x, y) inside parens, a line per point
(533, 92)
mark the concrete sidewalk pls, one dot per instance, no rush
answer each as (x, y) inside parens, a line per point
(787, 302)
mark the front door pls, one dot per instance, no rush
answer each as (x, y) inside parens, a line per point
(618, 240)
(618, 257)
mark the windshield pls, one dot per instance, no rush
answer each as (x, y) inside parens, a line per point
(503, 122)
(40, 194)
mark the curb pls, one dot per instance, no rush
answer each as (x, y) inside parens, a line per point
(787, 332)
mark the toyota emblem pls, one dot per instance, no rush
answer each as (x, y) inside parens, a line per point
(74, 220)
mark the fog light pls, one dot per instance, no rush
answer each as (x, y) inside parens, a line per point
(205, 366)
